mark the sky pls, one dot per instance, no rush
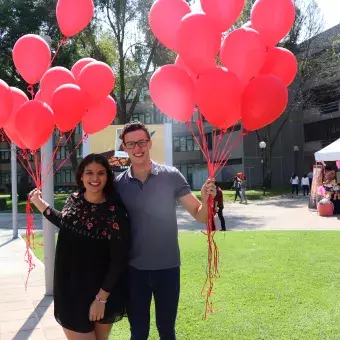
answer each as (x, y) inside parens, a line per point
(331, 11)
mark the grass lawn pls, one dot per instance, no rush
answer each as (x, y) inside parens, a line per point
(59, 202)
(273, 285)
(252, 195)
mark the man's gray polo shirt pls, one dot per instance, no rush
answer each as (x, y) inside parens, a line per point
(152, 210)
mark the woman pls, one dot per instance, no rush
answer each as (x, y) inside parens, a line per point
(305, 184)
(91, 253)
(243, 189)
(237, 187)
(294, 180)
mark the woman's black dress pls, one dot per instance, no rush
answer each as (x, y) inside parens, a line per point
(91, 253)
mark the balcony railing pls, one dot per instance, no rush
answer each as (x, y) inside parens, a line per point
(329, 108)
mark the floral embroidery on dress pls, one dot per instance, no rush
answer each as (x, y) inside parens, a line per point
(94, 220)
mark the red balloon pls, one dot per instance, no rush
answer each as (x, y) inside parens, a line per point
(223, 13)
(264, 99)
(218, 96)
(19, 98)
(38, 96)
(273, 19)
(100, 117)
(173, 92)
(13, 136)
(243, 53)
(52, 79)
(194, 76)
(79, 65)
(6, 103)
(198, 41)
(32, 57)
(34, 116)
(74, 15)
(281, 63)
(97, 80)
(68, 104)
(165, 18)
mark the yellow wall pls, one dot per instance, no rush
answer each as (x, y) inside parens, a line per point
(104, 141)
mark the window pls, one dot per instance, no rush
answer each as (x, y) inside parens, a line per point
(5, 155)
(64, 176)
(5, 178)
(176, 144)
(143, 117)
(79, 130)
(186, 143)
(234, 161)
(322, 131)
(79, 151)
(62, 152)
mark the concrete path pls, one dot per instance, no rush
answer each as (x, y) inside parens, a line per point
(23, 314)
(280, 213)
(29, 315)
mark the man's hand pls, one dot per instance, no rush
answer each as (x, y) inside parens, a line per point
(208, 189)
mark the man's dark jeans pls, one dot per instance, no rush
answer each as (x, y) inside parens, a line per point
(164, 285)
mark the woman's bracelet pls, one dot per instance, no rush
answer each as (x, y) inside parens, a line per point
(102, 301)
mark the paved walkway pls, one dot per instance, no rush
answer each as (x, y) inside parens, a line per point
(23, 315)
(29, 315)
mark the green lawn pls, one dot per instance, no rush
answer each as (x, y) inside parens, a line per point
(59, 202)
(252, 195)
(273, 285)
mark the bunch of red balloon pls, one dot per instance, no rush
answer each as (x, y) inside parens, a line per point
(251, 85)
(65, 98)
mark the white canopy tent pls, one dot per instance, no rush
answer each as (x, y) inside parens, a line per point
(330, 153)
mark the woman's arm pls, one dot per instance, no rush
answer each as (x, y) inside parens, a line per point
(53, 215)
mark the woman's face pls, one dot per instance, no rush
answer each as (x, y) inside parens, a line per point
(94, 177)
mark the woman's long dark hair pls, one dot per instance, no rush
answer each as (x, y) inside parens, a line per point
(99, 159)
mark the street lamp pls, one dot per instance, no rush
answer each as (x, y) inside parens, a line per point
(296, 151)
(262, 146)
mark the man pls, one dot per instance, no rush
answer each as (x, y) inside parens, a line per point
(219, 206)
(310, 177)
(149, 192)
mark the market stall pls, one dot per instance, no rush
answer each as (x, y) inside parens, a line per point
(326, 180)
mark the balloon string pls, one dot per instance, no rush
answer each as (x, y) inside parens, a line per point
(30, 90)
(62, 42)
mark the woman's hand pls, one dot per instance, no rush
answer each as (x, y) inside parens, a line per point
(35, 197)
(97, 310)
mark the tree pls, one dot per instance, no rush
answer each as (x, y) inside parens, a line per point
(137, 50)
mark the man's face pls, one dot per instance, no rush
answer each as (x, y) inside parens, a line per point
(137, 145)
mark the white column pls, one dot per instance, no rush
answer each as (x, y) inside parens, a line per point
(168, 152)
(14, 171)
(48, 228)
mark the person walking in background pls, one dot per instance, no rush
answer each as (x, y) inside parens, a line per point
(305, 184)
(243, 186)
(294, 180)
(219, 206)
(237, 188)
(310, 177)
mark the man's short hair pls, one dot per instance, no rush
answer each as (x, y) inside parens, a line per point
(134, 126)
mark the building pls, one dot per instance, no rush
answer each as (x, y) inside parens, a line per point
(321, 94)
